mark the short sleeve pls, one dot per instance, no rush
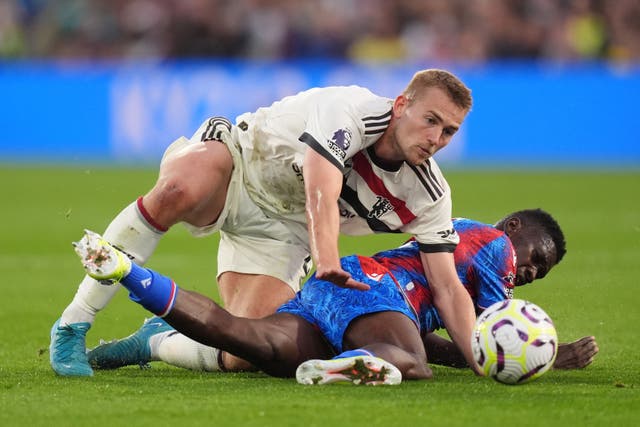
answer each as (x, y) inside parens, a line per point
(333, 131)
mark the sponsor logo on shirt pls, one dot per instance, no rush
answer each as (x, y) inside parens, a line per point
(508, 292)
(340, 142)
(510, 280)
(346, 214)
(381, 207)
(447, 233)
(375, 276)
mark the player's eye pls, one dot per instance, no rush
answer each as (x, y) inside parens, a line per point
(540, 263)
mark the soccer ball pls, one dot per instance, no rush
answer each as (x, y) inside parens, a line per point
(514, 341)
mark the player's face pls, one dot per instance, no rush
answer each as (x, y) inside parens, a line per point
(536, 255)
(424, 126)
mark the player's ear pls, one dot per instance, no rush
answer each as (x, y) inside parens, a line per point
(512, 225)
(399, 105)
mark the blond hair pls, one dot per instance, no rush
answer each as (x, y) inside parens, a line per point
(457, 91)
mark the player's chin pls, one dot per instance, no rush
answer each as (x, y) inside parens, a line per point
(418, 159)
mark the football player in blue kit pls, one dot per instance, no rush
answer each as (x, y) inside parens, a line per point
(379, 335)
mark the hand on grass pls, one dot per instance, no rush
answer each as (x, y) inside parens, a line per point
(577, 354)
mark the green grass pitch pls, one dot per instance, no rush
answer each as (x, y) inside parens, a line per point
(594, 291)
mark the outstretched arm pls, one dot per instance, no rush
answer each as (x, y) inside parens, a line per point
(452, 301)
(573, 355)
(441, 351)
(323, 183)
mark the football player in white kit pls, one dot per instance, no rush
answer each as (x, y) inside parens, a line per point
(280, 185)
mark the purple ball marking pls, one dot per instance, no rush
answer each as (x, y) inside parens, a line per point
(530, 373)
(500, 353)
(539, 342)
(528, 315)
(523, 335)
(481, 358)
(542, 342)
(505, 303)
(500, 324)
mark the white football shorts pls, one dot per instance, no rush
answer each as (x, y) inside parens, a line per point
(252, 241)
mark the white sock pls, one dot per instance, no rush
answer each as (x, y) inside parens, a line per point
(179, 350)
(131, 232)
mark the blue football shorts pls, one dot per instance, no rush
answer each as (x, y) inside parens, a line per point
(332, 308)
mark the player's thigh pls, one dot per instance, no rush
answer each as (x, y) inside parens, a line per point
(389, 327)
(257, 296)
(291, 341)
(252, 295)
(392, 336)
(192, 183)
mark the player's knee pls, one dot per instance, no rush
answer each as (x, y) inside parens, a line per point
(172, 198)
(232, 363)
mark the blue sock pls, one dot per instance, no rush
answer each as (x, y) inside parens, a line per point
(153, 291)
(352, 353)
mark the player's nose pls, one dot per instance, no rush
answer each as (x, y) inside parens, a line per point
(525, 275)
(530, 274)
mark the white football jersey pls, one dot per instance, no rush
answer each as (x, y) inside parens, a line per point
(411, 199)
(274, 139)
(340, 123)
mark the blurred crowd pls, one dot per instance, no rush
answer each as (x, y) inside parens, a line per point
(362, 30)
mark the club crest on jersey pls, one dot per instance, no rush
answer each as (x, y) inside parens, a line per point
(380, 207)
(510, 279)
(340, 142)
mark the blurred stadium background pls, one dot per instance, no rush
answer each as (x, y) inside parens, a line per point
(92, 83)
(556, 83)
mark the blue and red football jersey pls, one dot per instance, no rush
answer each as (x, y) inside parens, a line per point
(485, 262)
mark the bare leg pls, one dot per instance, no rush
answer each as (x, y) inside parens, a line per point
(184, 192)
(251, 296)
(191, 187)
(393, 337)
(276, 344)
